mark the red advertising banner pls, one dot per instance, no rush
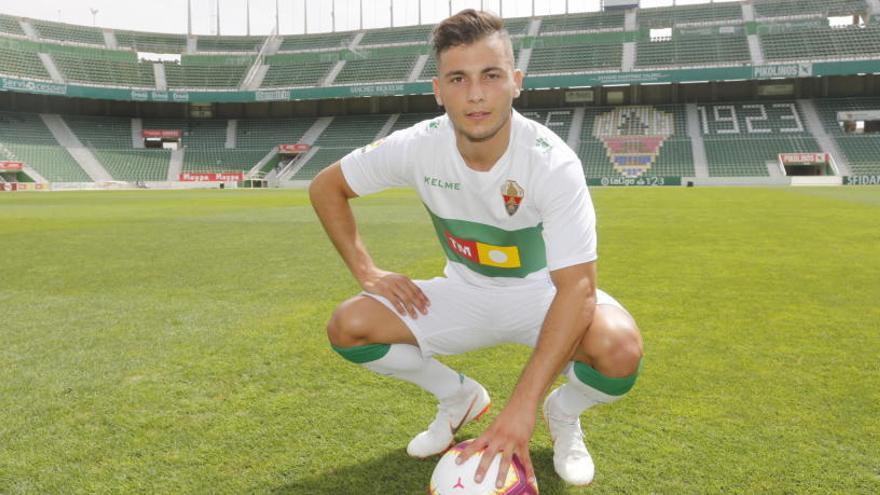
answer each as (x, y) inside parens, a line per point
(803, 157)
(293, 148)
(211, 177)
(11, 166)
(162, 133)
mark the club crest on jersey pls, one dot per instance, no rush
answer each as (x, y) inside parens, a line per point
(513, 195)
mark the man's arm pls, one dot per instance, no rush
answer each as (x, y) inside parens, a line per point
(330, 195)
(570, 314)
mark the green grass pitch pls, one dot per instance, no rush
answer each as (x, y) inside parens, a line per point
(173, 342)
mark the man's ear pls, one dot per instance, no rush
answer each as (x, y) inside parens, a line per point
(436, 84)
(518, 77)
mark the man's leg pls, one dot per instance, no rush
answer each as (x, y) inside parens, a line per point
(365, 331)
(604, 368)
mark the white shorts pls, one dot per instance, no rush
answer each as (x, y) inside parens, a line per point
(463, 317)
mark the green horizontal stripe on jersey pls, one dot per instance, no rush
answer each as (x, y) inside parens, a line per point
(529, 241)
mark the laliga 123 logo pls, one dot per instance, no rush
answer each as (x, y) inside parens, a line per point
(633, 137)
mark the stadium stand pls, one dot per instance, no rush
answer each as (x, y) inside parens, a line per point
(574, 58)
(821, 43)
(801, 8)
(105, 71)
(207, 134)
(661, 17)
(133, 165)
(109, 139)
(19, 63)
(409, 34)
(741, 138)
(295, 73)
(219, 160)
(517, 26)
(24, 137)
(728, 46)
(368, 70)
(204, 76)
(861, 149)
(253, 134)
(151, 42)
(10, 25)
(68, 32)
(582, 22)
(673, 156)
(323, 41)
(341, 136)
(230, 43)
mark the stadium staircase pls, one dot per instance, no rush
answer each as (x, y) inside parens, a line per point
(698, 148)
(110, 39)
(137, 133)
(175, 165)
(83, 156)
(231, 133)
(159, 76)
(51, 68)
(309, 137)
(28, 29)
(826, 143)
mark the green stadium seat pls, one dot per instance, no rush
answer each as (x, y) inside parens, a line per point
(230, 43)
(801, 8)
(265, 134)
(221, 160)
(862, 151)
(674, 156)
(582, 22)
(342, 136)
(399, 35)
(663, 17)
(107, 72)
(24, 137)
(742, 146)
(151, 42)
(286, 75)
(720, 49)
(820, 43)
(10, 25)
(18, 63)
(68, 32)
(181, 76)
(134, 165)
(366, 70)
(575, 58)
(301, 42)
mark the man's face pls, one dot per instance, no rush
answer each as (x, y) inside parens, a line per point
(477, 85)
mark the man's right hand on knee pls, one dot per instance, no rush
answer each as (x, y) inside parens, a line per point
(399, 289)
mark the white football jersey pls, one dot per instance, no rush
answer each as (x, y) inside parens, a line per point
(529, 214)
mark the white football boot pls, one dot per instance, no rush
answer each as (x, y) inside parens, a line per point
(571, 459)
(468, 404)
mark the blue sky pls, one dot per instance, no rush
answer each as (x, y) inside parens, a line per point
(170, 15)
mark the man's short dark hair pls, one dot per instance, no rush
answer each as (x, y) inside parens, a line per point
(465, 28)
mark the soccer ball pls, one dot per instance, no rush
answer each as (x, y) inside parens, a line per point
(450, 478)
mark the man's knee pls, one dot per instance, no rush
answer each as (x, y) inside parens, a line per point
(613, 343)
(348, 326)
